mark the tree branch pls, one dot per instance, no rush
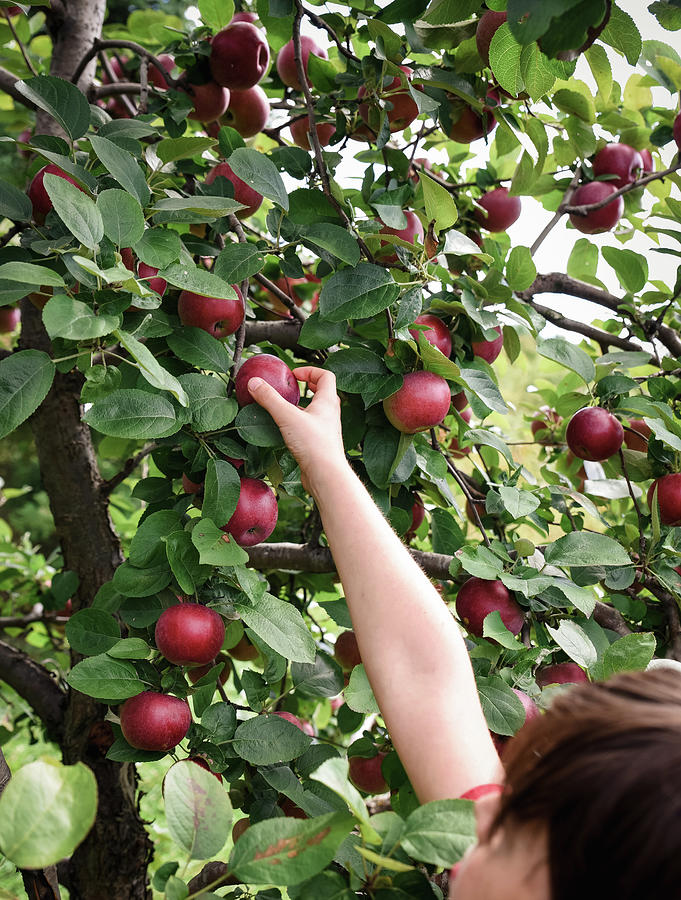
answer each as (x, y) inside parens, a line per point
(609, 617)
(36, 685)
(603, 338)
(280, 295)
(320, 23)
(107, 487)
(122, 45)
(585, 209)
(8, 83)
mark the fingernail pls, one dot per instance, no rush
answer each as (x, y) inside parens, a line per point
(254, 383)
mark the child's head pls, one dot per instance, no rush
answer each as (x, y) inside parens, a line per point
(592, 802)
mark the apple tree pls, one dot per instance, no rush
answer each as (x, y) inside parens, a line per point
(192, 196)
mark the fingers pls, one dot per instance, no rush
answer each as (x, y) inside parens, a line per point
(281, 410)
(320, 381)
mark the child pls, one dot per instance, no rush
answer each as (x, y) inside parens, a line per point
(591, 799)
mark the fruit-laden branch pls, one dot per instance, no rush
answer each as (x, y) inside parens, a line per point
(303, 558)
(36, 685)
(39, 884)
(603, 338)
(585, 209)
(122, 45)
(559, 283)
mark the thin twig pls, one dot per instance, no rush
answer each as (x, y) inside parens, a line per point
(451, 468)
(320, 23)
(108, 486)
(106, 65)
(641, 532)
(19, 42)
(585, 209)
(126, 45)
(559, 213)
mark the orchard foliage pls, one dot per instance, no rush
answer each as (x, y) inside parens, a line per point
(161, 230)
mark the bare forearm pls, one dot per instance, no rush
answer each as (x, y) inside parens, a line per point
(411, 647)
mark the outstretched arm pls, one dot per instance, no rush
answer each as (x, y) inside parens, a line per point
(411, 647)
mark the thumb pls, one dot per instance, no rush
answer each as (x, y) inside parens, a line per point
(271, 400)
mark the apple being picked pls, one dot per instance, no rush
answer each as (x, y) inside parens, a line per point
(38, 195)
(255, 515)
(668, 498)
(346, 650)
(300, 128)
(412, 230)
(594, 434)
(152, 721)
(243, 193)
(435, 332)
(478, 597)
(489, 350)
(498, 209)
(189, 634)
(366, 774)
(248, 111)
(239, 56)
(421, 403)
(216, 315)
(619, 160)
(272, 370)
(596, 221)
(286, 62)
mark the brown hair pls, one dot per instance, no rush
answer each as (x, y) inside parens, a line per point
(602, 771)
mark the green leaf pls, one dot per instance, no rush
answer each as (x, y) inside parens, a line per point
(434, 359)
(221, 491)
(46, 810)
(440, 832)
(518, 503)
(503, 710)
(123, 167)
(183, 558)
(132, 413)
(256, 426)
(622, 34)
(172, 149)
(105, 678)
(490, 439)
(335, 239)
(504, 60)
(581, 548)
(287, 851)
(480, 383)
(494, 628)
(357, 293)
(576, 103)
(631, 268)
(92, 631)
(479, 561)
(25, 378)
(149, 366)
(574, 641)
(321, 678)
(439, 203)
(631, 652)
(131, 581)
(259, 173)
(130, 648)
(266, 739)
(196, 346)
(238, 261)
(76, 210)
(28, 273)
(190, 278)
(280, 625)
(14, 204)
(65, 317)
(211, 409)
(358, 693)
(194, 209)
(359, 371)
(318, 333)
(158, 247)
(198, 810)
(520, 269)
(216, 13)
(146, 546)
(536, 70)
(334, 775)
(568, 355)
(59, 99)
(122, 217)
(214, 546)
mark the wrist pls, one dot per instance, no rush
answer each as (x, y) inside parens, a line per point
(327, 479)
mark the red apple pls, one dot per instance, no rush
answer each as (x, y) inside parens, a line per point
(239, 56)
(598, 220)
(366, 774)
(191, 487)
(481, 790)
(243, 824)
(560, 673)
(155, 77)
(244, 17)
(299, 132)
(255, 515)
(272, 370)
(152, 721)
(200, 761)
(198, 672)
(404, 109)
(291, 811)
(487, 27)
(455, 450)
(459, 400)
(243, 193)
(412, 230)
(593, 433)
(489, 350)
(210, 100)
(472, 125)
(305, 727)
(189, 634)
(638, 438)
(545, 422)
(215, 315)
(620, 160)
(244, 650)
(147, 273)
(436, 332)
(116, 64)
(346, 650)
(9, 319)
(39, 196)
(478, 597)
(421, 403)
(668, 498)
(248, 111)
(530, 707)
(648, 164)
(499, 210)
(418, 514)
(676, 130)
(286, 63)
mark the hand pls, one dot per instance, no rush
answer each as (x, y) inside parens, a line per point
(312, 434)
